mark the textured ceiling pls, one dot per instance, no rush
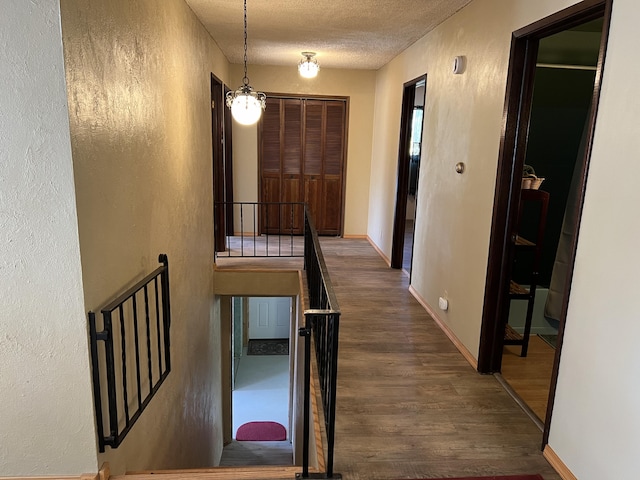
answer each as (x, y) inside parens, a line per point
(363, 34)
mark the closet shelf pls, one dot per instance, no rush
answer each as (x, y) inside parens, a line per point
(511, 337)
(537, 200)
(523, 242)
(518, 291)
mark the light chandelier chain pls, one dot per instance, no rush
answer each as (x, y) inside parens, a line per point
(245, 104)
(245, 80)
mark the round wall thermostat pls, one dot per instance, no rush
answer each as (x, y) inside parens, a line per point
(458, 64)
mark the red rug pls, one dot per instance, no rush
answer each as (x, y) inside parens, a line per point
(508, 477)
(261, 432)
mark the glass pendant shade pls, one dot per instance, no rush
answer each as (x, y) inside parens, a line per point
(308, 66)
(246, 105)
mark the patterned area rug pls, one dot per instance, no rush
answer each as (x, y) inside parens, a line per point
(268, 346)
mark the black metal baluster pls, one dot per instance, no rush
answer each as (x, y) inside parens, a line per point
(166, 308)
(280, 205)
(229, 234)
(146, 317)
(123, 344)
(266, 232)
(306, 333)
(291, 231)
(254, 230)
(155, 286)
(95, 372)
(307, 241)
(137, 346)
(333, 375)
(241, 230)
(121, 305)
(111, 377)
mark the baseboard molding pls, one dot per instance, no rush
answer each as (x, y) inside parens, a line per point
(557, 464)
(103, 474)
(355, 237)
(218, 473)
(445, 328)
(380, 252)
(87, 476)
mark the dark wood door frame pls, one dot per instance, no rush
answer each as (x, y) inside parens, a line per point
(217, 122)
(402, 190)
(227, 131)
(512, 151)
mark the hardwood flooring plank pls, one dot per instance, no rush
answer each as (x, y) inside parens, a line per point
(409, 404)
(530, 376)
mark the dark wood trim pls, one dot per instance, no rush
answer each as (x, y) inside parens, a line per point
(511, 156)
(226, 367)
(345, 151)
(564, 19)
(578, 214)
(219, 230)
(513, 140)
(299, 96)
(227, 134)
(402, 189)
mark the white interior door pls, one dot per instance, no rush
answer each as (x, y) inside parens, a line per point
(269, 317)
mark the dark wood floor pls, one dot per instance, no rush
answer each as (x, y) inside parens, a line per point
(409, 405)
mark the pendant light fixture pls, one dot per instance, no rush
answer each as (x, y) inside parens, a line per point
(308, 66)
(245, 104)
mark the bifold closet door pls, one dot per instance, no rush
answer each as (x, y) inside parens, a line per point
(302, 159)
(280, 167)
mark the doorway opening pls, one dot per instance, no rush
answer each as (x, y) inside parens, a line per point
(551, 104)
(218, 159)
(261, 373)
(409, 154)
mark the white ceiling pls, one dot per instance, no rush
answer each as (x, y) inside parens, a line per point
(362, 34)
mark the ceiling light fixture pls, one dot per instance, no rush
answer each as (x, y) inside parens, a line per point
(245, 104)
(308, 66)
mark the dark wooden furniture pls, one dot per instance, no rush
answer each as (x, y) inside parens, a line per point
(527, 252)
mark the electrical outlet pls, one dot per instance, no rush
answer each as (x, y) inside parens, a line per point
(443, 303)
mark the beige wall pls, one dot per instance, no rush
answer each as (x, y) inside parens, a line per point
(358, 85)
(138, 76)
(463, 120)
(595, 425)
(596, 422)
(46, 418)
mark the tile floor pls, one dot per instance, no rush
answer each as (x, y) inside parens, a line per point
(262, 390)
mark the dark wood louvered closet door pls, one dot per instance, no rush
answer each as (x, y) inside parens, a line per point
(302, 150)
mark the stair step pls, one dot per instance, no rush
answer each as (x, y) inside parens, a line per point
(219, 473)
